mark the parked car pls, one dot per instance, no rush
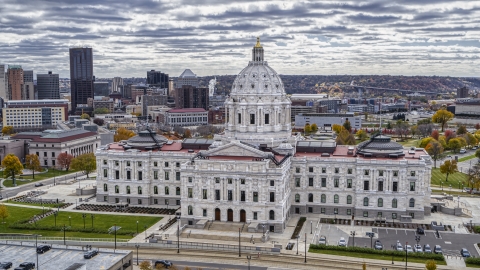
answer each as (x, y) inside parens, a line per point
(475, 148)
(163, 263)
(463, 151)
(420, 230)
(427, 248)
(5, 265)
(399, 246)
(43, 248)
(25, 266)
(322, 240)
(342, 242)
(378, 245)
(90, 254)
(38, 184)
(438, 249)
(464, 252)
(408, 248)
(417, 248)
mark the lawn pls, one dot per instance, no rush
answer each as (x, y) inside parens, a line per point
(453, 179)
(22, 180)
(101, 221)
(372, 256)
(466, 158)
(409, 142)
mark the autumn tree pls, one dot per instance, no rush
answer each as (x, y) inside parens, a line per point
(474, 176)
(145, 265)
(425, 130)
(362, 135)
(347, 125)
(11, 166)
(470, 139)
(435, 134)
(442, 117)
(345, 138)
(85, 116)
(462, 129)
(64, 160)
(337, 128)
(3, 212)
(99, 121)
(123, 134)
(435, 150)
(307, 129)
(431, 265)
(449, 167)
(477, 126)
(401, 128)
(85, 163)
(32, 163)
(314, 127)
(455, 145)
(187, 134)
(449, 134)
(424, 142)
(414, 130)
(7, 130)
(477, 153)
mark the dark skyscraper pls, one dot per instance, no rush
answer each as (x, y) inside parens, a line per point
(48, 86)
(81, 76)
(157, 78)
(191, 97)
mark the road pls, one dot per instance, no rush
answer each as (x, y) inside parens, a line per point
(206, 266)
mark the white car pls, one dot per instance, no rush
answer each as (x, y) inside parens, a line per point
(323, 240)
(408, 248)
(417, 248)
(342, 242)
(463, 151)
(399, 247)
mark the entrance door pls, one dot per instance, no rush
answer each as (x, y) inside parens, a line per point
(217, 214)
(243, 216)
(230, 215)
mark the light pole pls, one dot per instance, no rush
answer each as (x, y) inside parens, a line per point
(70, 221)
(55, 215)
(239, 245)
(450, 189)
(311, 226)
(84, 216)
(249, 258)
(393, 248)
(305, 247)
(298, 236)
(64, 229)
(417, 238)
(115, 228)
(93, 216)
(353, 233)
(36, 246)
(178, 231)
(406, 255)
(137, 226)
(137, 246)
(145, 228)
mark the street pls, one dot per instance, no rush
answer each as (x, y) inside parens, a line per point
(206, 266)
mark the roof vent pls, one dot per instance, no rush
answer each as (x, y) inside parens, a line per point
(325, 154)
(190, 151)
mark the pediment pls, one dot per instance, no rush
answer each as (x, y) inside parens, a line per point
(235, 149)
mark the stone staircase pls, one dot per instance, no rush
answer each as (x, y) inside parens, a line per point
(227, 226)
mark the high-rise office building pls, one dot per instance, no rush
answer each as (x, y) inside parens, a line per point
(3, 82)
(117, 83)
(81, 76)
(15, 82)
(191, 97)
(48, 86)
(462, 92)
(157, 78)
(100, 89)
(186, 78)
(28, 85)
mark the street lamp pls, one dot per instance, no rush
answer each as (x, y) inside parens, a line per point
(239, 245)
(393, 248)
(353, 233)
(70, 221)
(249, 258)
(137, 226)
(406, 255)
(145, 228)
(55, 215)
(305, 247)
(450, 189)
(137, 246)
(178, 214)
(115, 229)
(417, 238)
(311, 226)
(92, 216)
(64, 229)
(84, 216)
(298, 236)
(36, 246)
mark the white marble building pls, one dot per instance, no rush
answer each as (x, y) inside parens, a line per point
(258, 172)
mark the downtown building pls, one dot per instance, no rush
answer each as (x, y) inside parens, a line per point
(81, 77)
(258, 172)
(48, 86)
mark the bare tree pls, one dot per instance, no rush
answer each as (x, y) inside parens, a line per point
(425, 130)
(401, 128)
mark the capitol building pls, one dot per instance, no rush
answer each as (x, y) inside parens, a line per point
(260, 173)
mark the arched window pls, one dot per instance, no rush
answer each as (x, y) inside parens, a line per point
(323, 198)
(167, 191)
(365, 201)
(349, 199)
(155, 190)
(335, 198)
(128, 189)
(412, 202)
(310, 197)
(177, 191)
(297, 198)
(116, 189)
(380, 202)
(271, 215)
(139, 190)
(394, 203)
(105, 187)
(190, 210)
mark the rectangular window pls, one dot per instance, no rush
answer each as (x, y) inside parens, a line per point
(412, 186)
(412, 173)
(337, 170)
(117, 174)
(366, 185)
(267, 119)
(349, 183)
(272, 196)
(239, 118)
(177, 164)
(272, 183)
(178, 202)
(155, 164)
(252, 119)
(155, 175)
(217, 194)
(104, 161)
(139, 164)
(167, 176)
(349, 171)
(190, 179)
(105, 198)
(349, 211)
(230, 195)
(204, 212)
(166, 164)
(335, 210)
(310, 209)
(297, 170)
(190, 193)
(255, 216)
(242, 195)
(297, 182)
(255, 196)
(366, 172)
(324, 170)
(394, 215)
(242, 181)
(45, 154)
(128, 163)
(128, 175)
(140, 176)
(310, 169)
(395, 173)
(230, 181)
(139, 201)
(155, 201)
(365, 213)
(217, 180)
(336, 182)
(380, 173)
(204, 194)
(177, 176)
(322, 210)
(324, 182)
(105, 173)
(395, 187)
(310, 181)
(53, 154)
(379, 214)
(412, 215)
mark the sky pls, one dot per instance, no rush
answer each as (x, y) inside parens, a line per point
(215, 37)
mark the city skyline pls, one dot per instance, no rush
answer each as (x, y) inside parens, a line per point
(436, 37)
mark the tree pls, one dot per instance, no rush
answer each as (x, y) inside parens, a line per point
(64, 160)
(474, 176)
(389, 125)
(32, 163)
(477, 126)
(347, 125)
(414, 130)
(7, 130)
(307, 129)
(442, 141)
(477, 153)
(99, 121)
(449, 134)
(314, 127)
(187, 134)
(101, 111)
(123, 134)
(442, 117)
(85, 116)
(145, 265)
(337, 128)
(11, 166)
(345, 138)
(435, 134)
(424, 142)
(449, 167)
(362, 135)
(462, 129)
(3, 212)
(425, 130)
(455, 145)
(470, 139)
(431, 265)
(435, 150)
(401, 128)
(85, 163)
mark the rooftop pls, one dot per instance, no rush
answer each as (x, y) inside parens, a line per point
(55, 135)
(187, 110)
(187, 73)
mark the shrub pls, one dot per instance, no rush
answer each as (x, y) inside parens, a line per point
(299, 226)
(471, 260)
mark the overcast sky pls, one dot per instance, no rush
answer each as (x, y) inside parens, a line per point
(411, 37)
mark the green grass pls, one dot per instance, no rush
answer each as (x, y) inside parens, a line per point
(409, 142)
(22, 180)
(371, 256)
(453, 179)
(439, 191)
(101, 221)
(466, 158)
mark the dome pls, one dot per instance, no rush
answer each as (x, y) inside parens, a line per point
(380, 146)
(144, 140)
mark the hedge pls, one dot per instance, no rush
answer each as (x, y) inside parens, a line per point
(420, 255)
(298, 228)
(472, 260)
